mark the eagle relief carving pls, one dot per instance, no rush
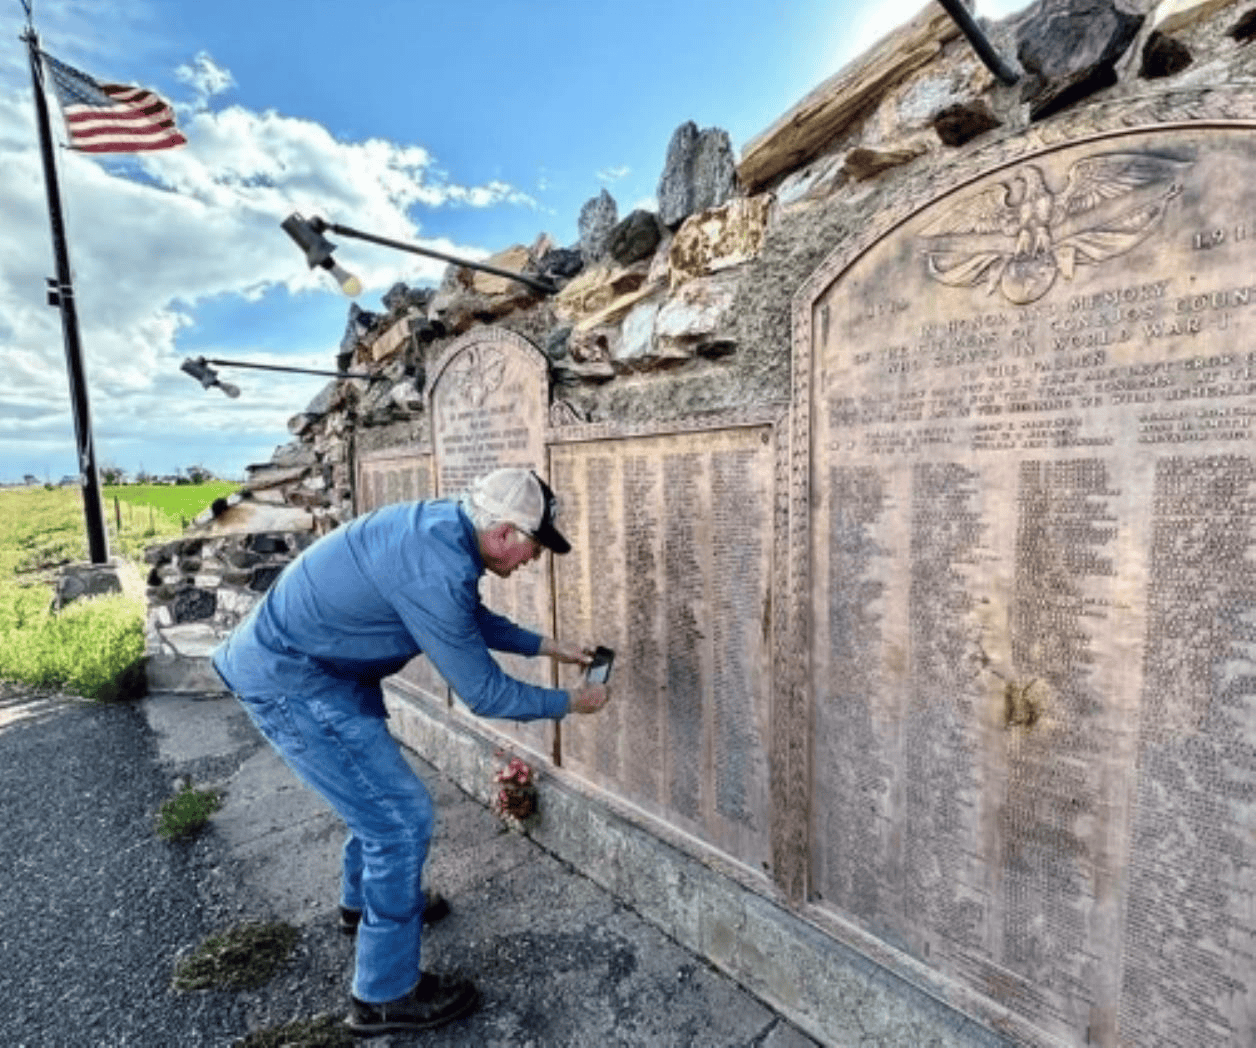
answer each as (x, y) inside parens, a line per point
(476, 374)
(1019, 235)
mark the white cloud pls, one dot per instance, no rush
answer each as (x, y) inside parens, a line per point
(153, 238)
(610, 175)
(205, 77)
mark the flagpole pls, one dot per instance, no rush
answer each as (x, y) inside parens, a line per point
(62, 295)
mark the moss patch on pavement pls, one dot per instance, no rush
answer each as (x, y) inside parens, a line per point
(242, 957)
(323, 1031)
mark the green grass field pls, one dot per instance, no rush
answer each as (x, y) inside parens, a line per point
(92, 647)
(181, 500)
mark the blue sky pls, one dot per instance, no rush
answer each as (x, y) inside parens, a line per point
(465, 127)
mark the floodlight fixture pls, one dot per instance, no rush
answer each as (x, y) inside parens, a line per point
(318, 251)
(200, 370)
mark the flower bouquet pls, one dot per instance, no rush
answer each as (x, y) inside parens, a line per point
(514, 799)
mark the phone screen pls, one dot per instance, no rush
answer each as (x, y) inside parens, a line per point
(599, 671)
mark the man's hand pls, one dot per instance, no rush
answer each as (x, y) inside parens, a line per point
(578, 652)
(589, 698)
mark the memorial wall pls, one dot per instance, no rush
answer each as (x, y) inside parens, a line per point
(956, 651)
(1025, 412)
(909, 466)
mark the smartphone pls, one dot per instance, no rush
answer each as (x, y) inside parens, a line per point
(599, 671)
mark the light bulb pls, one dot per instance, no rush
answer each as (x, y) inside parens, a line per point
(229, 389)
(349, 284)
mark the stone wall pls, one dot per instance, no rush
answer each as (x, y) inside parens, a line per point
(687, 310)
(199, 588)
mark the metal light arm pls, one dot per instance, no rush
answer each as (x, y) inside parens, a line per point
(301, 371)
(199, 368)
(318, 249)
(985, 51)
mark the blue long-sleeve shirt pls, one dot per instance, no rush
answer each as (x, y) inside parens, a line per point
(365, 599)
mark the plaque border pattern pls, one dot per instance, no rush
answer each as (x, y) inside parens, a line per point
(1194, 110)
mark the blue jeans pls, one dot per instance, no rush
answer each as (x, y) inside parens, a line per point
(356, 765)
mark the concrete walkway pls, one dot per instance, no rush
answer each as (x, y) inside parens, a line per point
(558, 961)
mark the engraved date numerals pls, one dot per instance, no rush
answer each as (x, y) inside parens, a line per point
(1210, 238)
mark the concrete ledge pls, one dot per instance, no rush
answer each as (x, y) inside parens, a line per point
(826, 988)
(182, 674)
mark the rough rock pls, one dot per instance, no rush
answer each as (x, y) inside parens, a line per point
(636, 334)
(263, 478)
(863, 163)
(635, 238)
(570, 371)
(964, 121)
(1173, 15)
(638, 348)
(700, 313)
(193, 604)
(717, 239)
(455, 306)
(293, 453)
(401, 296)
(517, 259)
(617, 309)
(699, 173)
(817, 180)
(556, 342)
(1069, 49)
(592, 345)
(360, 322)
(597, 219)
(330, 397)
(595, 289)
(561, 263)
(1163, 56)
(814, 126)
(391, 339)
(919, 101)
(85, 580)
(1245, 28)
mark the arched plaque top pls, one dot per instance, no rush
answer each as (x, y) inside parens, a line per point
(1199, 109)
(479, 341)
(488, 401)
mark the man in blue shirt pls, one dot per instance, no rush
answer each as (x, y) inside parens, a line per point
(307, 664)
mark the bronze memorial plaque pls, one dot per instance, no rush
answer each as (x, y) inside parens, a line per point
(1031, 410)
(489, 400)
(401, 475)
(393, 476)
(672, 567)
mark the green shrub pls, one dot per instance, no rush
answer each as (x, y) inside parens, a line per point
(93, 647)
(242, 957)
(185, 814)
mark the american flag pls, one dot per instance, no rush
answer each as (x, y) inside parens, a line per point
(111, 118)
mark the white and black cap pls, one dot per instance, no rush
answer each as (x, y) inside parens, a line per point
(525, 500)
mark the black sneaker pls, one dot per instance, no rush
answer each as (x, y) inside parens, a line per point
(437, 999)
(437, 909)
